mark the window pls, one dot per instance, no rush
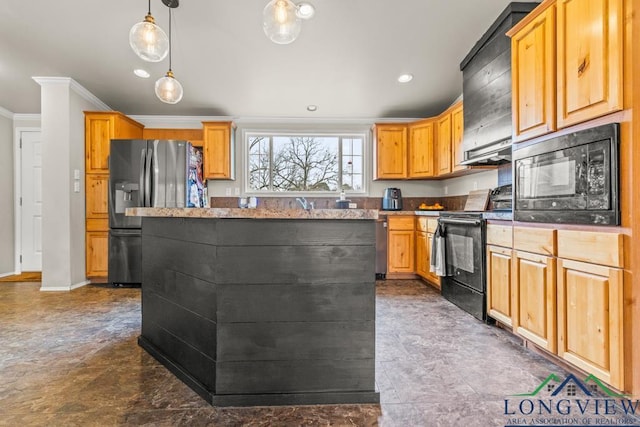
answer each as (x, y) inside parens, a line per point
(305, 162)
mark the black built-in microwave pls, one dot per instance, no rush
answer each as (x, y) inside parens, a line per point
(571, 179)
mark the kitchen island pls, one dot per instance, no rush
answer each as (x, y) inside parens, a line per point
(262, 307)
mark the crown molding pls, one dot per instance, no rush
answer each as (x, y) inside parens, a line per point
(27, 117)
(6, 113)
(76, 87)
(187, 122)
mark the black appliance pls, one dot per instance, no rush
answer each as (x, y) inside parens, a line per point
(501, 198)
(465, 282)
(486, 89)
(146, 173)
(392, 199)
(571, 178)
(381, 247)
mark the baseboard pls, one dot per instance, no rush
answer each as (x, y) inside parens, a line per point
(64, 288)
(13, 273)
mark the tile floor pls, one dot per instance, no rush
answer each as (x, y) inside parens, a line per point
(71, 359)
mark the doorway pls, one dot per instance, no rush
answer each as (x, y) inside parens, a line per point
(28, 199)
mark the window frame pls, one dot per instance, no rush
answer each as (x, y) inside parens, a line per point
(249, 133)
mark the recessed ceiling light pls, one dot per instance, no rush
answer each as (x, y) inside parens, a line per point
(312, 107)
(405, 78)
(141, 73)
(305, 10)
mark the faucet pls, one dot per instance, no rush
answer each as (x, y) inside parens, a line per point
(303, 202)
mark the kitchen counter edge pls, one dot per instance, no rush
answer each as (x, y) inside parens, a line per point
(254, 213)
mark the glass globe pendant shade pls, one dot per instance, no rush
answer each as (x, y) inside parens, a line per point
(148, 40)
(168, 89)
(281, 23)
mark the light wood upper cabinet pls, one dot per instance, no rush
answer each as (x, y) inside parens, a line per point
(421, 149)
(218, 150)
(443, 143)
(533, 74)
(590, 53)
(590, 319)
(534, 315)
(457, 133)
(391, 151)
(100, 129)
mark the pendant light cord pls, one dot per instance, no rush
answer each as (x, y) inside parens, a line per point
(149, 7)
(170, 10)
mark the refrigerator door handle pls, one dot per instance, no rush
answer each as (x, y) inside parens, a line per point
(142, 193)
(147, 179)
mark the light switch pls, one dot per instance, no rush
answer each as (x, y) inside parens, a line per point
(76, 174)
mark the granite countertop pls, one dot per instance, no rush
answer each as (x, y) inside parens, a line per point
(255, 213)
(495, 215)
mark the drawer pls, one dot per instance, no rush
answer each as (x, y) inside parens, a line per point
(500, 235)
(536, 240)
(594, 247)
(401, 223)
(97, 225)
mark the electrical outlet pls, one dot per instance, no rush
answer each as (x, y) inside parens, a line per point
(475, 185)
(446, 190)
(76, 186)
(353, 205)
(76, 174)
(236, 191)
(227, 191)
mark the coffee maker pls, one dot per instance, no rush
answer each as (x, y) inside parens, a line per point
(392, 199)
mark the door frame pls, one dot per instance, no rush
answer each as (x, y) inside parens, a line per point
(17, 193)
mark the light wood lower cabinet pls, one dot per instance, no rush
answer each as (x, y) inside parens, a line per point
(499, 284)
(535, 298)
(590, 319)
(97, 253)
(401, 245)
(401, 249)
(422, 255)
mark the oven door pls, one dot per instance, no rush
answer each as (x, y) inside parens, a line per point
(464, 243)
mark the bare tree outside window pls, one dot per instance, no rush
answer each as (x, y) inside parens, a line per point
(305, 163)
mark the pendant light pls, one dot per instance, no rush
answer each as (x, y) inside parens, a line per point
(281, 22)
(148, 40)
(168, 89)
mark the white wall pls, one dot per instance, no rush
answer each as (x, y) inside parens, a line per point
(477, 181)
(7, 251)
(63, 215)
(77, 105)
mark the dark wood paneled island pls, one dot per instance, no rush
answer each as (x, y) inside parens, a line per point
(257, 307)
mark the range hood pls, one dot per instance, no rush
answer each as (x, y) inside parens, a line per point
(486, 91)
(497, 153)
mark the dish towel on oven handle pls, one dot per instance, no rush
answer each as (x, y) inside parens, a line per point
(438, 264)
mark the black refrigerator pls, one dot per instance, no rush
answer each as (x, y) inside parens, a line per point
(146, 173)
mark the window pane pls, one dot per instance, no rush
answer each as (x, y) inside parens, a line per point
(357, 146)
(305, 163)
(259, 163)
(346, 146)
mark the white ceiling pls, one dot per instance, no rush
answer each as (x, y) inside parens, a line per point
(346, 59)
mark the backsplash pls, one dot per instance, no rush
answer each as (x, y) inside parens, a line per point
(453, 203)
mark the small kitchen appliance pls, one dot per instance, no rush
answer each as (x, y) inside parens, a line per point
(392, 199)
